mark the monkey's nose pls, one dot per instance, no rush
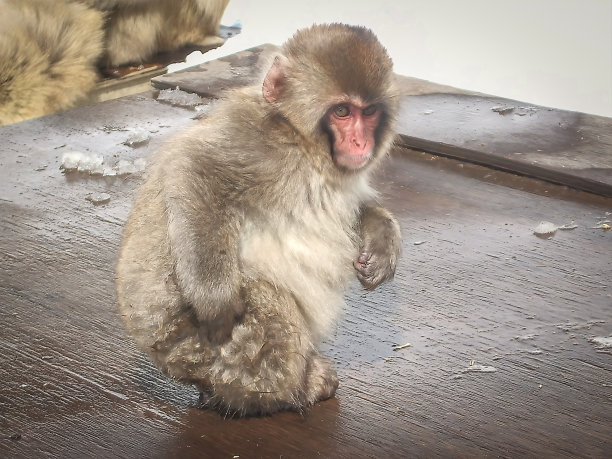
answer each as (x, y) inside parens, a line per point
(360, 142)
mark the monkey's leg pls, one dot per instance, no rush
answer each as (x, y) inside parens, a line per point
(271, 363)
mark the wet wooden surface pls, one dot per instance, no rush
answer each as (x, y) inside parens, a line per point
(560, 146)
(475, 290)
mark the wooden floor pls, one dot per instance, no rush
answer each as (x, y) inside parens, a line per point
(508, 331)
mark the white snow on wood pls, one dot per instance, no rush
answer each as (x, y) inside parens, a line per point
(75, 161)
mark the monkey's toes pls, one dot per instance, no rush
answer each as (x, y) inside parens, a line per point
(322, 380)
(219, 330)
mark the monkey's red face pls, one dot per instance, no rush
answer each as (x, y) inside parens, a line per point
(353, 129)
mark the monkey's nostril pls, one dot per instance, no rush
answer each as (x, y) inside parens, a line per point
(360, 143)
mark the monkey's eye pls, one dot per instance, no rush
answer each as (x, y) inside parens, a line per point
(342, 111)
(370, 110)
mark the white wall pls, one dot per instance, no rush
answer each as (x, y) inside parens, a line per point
(556, 53)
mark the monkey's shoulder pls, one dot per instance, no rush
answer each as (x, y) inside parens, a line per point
(240, 155)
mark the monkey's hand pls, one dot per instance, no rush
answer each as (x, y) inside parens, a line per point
(380, 247)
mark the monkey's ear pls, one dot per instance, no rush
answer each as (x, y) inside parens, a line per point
(275, 81)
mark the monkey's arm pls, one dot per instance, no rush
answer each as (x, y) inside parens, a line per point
(203, 233)
(380, 247)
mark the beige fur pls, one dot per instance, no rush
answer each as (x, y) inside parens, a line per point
(139, 28)
(50, 49)
(48, 52)
(246, 232)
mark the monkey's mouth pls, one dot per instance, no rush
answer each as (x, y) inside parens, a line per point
(352, 161)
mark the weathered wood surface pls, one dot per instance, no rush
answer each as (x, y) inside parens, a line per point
(212, 79)
(564, 147)
(474, 285)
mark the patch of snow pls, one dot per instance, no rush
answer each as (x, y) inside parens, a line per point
(602, 341)
(82, 162)
(139, 137)
(94, 164)
(124, 167)
(479, 369)
(503, 110)
(179, 98)
(98, 198)
(524, 337)
(545, 228)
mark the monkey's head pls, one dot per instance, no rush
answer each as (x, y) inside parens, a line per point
(335, 84)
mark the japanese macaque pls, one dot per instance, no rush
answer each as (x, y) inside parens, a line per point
(251, 223)
(50, 50)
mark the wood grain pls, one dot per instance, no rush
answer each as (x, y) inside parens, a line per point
(568, 148)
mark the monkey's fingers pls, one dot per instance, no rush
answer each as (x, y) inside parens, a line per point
(366, 271)
(371, 272)
(364, 258)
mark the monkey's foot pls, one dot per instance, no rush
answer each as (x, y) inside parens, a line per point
(322, 380)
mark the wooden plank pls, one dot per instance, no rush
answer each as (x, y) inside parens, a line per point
(473, 284)
(213, 78)
(568, 148)
(564, 147)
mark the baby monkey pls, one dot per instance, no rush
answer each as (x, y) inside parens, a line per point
(252, 222)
